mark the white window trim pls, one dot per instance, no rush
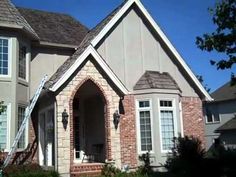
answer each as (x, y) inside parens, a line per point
(8, 143)
(26, 128)
(138, 124)
(21, 44)
(9, 57)
(173, 108)
(41, 155)
(213, 119)
(8, 135)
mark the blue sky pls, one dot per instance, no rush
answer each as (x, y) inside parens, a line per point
(181, 22)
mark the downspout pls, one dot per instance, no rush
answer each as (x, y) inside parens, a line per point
(55, 136)
(181, 118)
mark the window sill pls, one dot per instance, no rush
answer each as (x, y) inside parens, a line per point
(19, 150)
(145, 152)
(23, 82)
(5, 78)
(210, 123)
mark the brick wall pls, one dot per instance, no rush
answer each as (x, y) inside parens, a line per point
(128, 133)
(193, 120)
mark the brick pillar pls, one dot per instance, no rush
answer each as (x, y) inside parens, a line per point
(128, 133)
(193, 120)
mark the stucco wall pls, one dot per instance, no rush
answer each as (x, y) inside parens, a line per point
(131, 48)
(45, 61)
(14, 92)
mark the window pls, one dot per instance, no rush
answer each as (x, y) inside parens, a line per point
(212, 118)
(4, 53)
(167, 124)
(21, 115)
(22, 63)
(145, 130)
(3, 129)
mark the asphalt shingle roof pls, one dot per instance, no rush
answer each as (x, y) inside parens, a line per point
(230, 125)
(9, 15)
(156, 80)
(84, 44)
(226, 92)
(55, 27)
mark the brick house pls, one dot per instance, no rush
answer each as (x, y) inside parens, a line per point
(122, 86)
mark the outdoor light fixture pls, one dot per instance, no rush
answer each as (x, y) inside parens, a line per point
(65, 119)
(116, 119)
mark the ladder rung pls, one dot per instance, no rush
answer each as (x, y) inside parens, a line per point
(28, 111)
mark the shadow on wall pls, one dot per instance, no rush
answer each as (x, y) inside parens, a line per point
(27, 154)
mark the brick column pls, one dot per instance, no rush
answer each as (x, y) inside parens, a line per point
(128, 133)
(193, 120)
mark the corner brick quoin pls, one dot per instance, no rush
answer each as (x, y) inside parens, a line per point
(193, 120)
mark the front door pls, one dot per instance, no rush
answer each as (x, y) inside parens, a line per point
(46, 138)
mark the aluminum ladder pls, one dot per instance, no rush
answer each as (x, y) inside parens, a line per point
(28, 112)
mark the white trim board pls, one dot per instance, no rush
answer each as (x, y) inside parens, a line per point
(90, 50)
(122, 11)
(137, 118)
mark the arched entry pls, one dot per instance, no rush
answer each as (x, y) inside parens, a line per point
(89, 112)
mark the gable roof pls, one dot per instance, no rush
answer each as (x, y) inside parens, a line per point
(89, 51)
(225, 92)
(55, 27)
(11, 18)
(156, 80)
(95, 36)
(230, 125)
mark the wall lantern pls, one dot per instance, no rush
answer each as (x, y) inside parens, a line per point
(116, 119)
(65, 119)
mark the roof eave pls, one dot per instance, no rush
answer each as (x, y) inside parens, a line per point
(52, 44)
(19, 27)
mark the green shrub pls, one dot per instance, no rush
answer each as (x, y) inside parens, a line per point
(145, 168)
(30, 170)
(186, 158)
(109, 170)
(228, 162)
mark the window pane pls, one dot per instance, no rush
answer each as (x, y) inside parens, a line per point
(3, 56)
(5, 64)
(216, 118)
(209, 117)
(5, 42)
(22, 63)
(143, 104)
(5, 71)
(3, 129)
(167, 129)
(21, 114)
(145, 130)
(165, 103)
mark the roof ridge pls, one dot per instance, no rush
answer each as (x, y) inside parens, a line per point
(45, 11)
